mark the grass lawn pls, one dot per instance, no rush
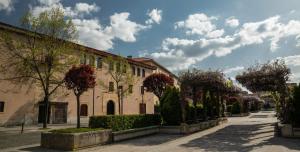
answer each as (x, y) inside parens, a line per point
(75, 130)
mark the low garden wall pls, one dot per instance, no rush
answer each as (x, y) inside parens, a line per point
(239, 115)
(133, 133)
(287, 130)
(190, 128)
(74, 141)
(122, 128)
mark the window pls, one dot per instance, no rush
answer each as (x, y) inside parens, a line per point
(138, 72)
(111, 87)
(133, 70)
(142, 90)
(83, 110)
(118, 67)
(130, 88)
(99, 62)
(83, 59)
(2, 106)
(92, 61)
(143, 73)
(124, 68)
(111, 66)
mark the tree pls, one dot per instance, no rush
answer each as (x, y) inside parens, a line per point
(295, 101)
(171, 108)
(80, 79)
(195, 84)
(120, 72)
(42, 57)
(158, 83)
(272, 77)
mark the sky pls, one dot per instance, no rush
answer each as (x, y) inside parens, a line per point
(227, 35)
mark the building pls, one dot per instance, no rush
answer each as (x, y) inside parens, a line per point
(19, 105)
(159, 68)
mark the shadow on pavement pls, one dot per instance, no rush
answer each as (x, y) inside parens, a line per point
(38, 149)
(151, 140)
(242, 138)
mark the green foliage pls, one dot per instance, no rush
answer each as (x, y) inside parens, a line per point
(236, 108)
(190, 112)
(229, 108)
(75, 130)
(124, 122)
(295, 116)
(171, 108)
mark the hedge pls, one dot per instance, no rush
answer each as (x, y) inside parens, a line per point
(124, 122)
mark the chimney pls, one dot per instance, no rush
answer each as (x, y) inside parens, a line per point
(129, 56)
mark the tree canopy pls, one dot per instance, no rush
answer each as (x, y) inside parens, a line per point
(271, 76)
(42, 56)
(157, 83)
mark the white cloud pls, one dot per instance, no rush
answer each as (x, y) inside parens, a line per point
(200, 24)
(79, 10)
(295, 77)
(155, 16)
(233, 69)
(178, 54)
(293, 60)
(232, 22)
(48, 2)
(86, 8)
(92, 34)
(90, 31)
(6, 5)
(121, 27)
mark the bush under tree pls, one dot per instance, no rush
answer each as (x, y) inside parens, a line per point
(171, 107)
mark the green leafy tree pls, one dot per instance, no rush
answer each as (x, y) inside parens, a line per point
(120, 72)
(171, 106)
(42, 56)
(296, 106)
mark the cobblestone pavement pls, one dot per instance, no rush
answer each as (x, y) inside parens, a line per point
(241, 134)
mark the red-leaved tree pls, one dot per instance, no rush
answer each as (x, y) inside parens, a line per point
(157, 83)
(80, 79)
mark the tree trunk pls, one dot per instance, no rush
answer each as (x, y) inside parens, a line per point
(46, 110)
(119, 101)
(78, 110)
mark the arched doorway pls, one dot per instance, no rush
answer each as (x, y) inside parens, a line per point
(110, 108)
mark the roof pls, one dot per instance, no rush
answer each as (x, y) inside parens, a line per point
(144, 59)
(25, 32)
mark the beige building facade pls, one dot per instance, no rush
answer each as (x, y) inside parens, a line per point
(22, 104)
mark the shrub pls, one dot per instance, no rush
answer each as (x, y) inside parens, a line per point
(190, 112)
(171, 107)
(236, 108)
(295, 116)
(229, 108)
(124, 122)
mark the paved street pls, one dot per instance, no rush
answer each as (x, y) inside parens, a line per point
(253, 133)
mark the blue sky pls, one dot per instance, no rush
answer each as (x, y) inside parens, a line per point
(230, 35)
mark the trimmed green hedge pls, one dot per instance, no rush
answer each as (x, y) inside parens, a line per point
(124, 122)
